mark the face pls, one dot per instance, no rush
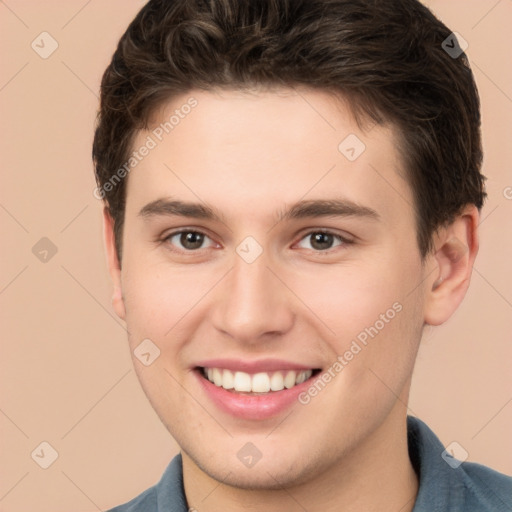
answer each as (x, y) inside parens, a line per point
(262, 247)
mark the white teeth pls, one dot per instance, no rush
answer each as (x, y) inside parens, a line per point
(289, 380)
(217, 377)
(262, 382)
(303, 376)
(306, 374)
(242, 382)
(277, 382)
(227, 380)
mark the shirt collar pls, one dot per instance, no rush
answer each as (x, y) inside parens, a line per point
(440, 487)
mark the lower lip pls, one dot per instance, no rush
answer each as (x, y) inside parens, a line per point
(252, 407)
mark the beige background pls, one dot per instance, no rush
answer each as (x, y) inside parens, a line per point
(65, 372)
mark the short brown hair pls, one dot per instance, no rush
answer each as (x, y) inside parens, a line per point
(385, 56)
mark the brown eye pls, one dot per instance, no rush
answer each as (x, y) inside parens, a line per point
(191, 240)
(322, 240)
(188, 240)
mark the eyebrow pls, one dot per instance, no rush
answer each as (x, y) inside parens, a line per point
(168, 207)
(328, 208)
(300, 210)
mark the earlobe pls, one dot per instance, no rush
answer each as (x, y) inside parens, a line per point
(114, 266)
(454, 256)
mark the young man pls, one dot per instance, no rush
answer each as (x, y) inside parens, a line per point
(292, 193)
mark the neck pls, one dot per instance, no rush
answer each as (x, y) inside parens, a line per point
(375, 476)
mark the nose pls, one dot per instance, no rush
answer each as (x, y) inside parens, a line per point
(253, 304)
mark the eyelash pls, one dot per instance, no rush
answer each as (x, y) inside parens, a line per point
(343, 241)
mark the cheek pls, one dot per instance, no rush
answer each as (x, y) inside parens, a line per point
(161, 301)
(350, 299)
(373, 313)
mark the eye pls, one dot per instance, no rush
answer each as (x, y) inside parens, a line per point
(322, 240)
(188, 239)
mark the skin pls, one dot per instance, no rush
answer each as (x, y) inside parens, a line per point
(250, 156)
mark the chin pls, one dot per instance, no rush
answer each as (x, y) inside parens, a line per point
(275, 473)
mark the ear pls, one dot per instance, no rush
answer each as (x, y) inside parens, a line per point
(114, 266)
(456, 247)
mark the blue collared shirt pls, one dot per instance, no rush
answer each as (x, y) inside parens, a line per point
(444, 484)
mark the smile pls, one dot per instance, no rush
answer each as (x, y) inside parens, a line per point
(253, 390)
(262, 382)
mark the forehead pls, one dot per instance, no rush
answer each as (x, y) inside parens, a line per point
(254, 151)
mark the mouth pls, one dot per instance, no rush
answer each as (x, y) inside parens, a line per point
(254, 384)
(252, 390)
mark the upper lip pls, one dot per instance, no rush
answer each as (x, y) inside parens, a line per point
(247, 366)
